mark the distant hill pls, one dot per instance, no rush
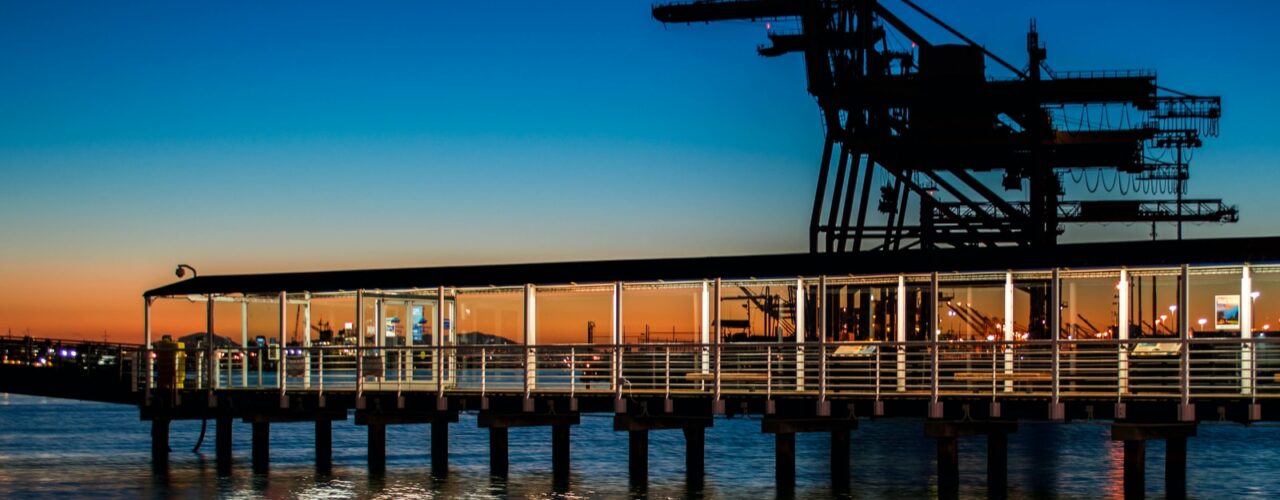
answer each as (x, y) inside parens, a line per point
(480, 338)
(194, 339)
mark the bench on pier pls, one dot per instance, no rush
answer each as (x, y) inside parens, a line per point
(727, 377)
(855, 351)
(1003, 376)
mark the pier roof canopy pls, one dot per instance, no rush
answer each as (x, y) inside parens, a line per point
(1083, 255)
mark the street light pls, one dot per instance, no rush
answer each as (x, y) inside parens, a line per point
(1202, 321)
(182, 270)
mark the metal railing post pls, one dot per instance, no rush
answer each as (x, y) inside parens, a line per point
(768, 369)
(1055, 320)
(1184, 288)
(1122, 333)
(437, 343)
(244, 342)
(876, 364)
(615, 364)
(704, 331)
(283, 357)
(146, 349)
(900, 333)
(716, 342)
(1246, 331)
(380, 340)
(822, 317)
(306, 340)
(359, 345)
(1008, 331)
(935, 406)
(530, 339)
(800, 330)
(666, 372)
(209, 336)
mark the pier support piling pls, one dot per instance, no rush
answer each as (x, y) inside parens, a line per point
(377, 447)
(638, 455)
(324, 445)
(1135, 437)
(1175, 467)
(784, 429)
(498, 451)
(694, 426)
(948, 467)
(997, 465)
(695, 444)
(784, 449)
(261, 447)
(948, 433)
(160, 444)
(560, 452)
(1135, 469)
(498, 423)
(381, 412)
(223, 444)
(840, 459)
(440, 448)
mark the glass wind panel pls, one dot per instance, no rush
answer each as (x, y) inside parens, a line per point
(863, 312)
(1153, 310)
(490, 316)
(1031, 305)
(575, 314)
(1089, 305)
(758, 312)
(1213, 302)
(1266, 300)
(663, 313)
(971, 308)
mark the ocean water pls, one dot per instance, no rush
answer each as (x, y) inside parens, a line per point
(59, 448)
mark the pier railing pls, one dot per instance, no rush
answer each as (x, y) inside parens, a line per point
(1165, 368)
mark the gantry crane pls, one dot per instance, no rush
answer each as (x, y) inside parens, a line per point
(927, 121)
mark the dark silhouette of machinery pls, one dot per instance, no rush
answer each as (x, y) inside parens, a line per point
(928, 116)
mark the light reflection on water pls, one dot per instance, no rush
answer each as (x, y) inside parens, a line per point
(51, 447)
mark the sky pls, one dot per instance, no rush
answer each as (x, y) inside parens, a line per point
(246, 137)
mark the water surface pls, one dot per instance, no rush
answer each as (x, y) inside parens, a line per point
(52, 447)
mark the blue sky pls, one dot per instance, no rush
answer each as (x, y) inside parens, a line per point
(270, 136)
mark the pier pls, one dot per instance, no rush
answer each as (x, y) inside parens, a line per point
(846, 344)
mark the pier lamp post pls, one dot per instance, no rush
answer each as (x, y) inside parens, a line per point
(1202, 321)
(209, 337)
(182, 271)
